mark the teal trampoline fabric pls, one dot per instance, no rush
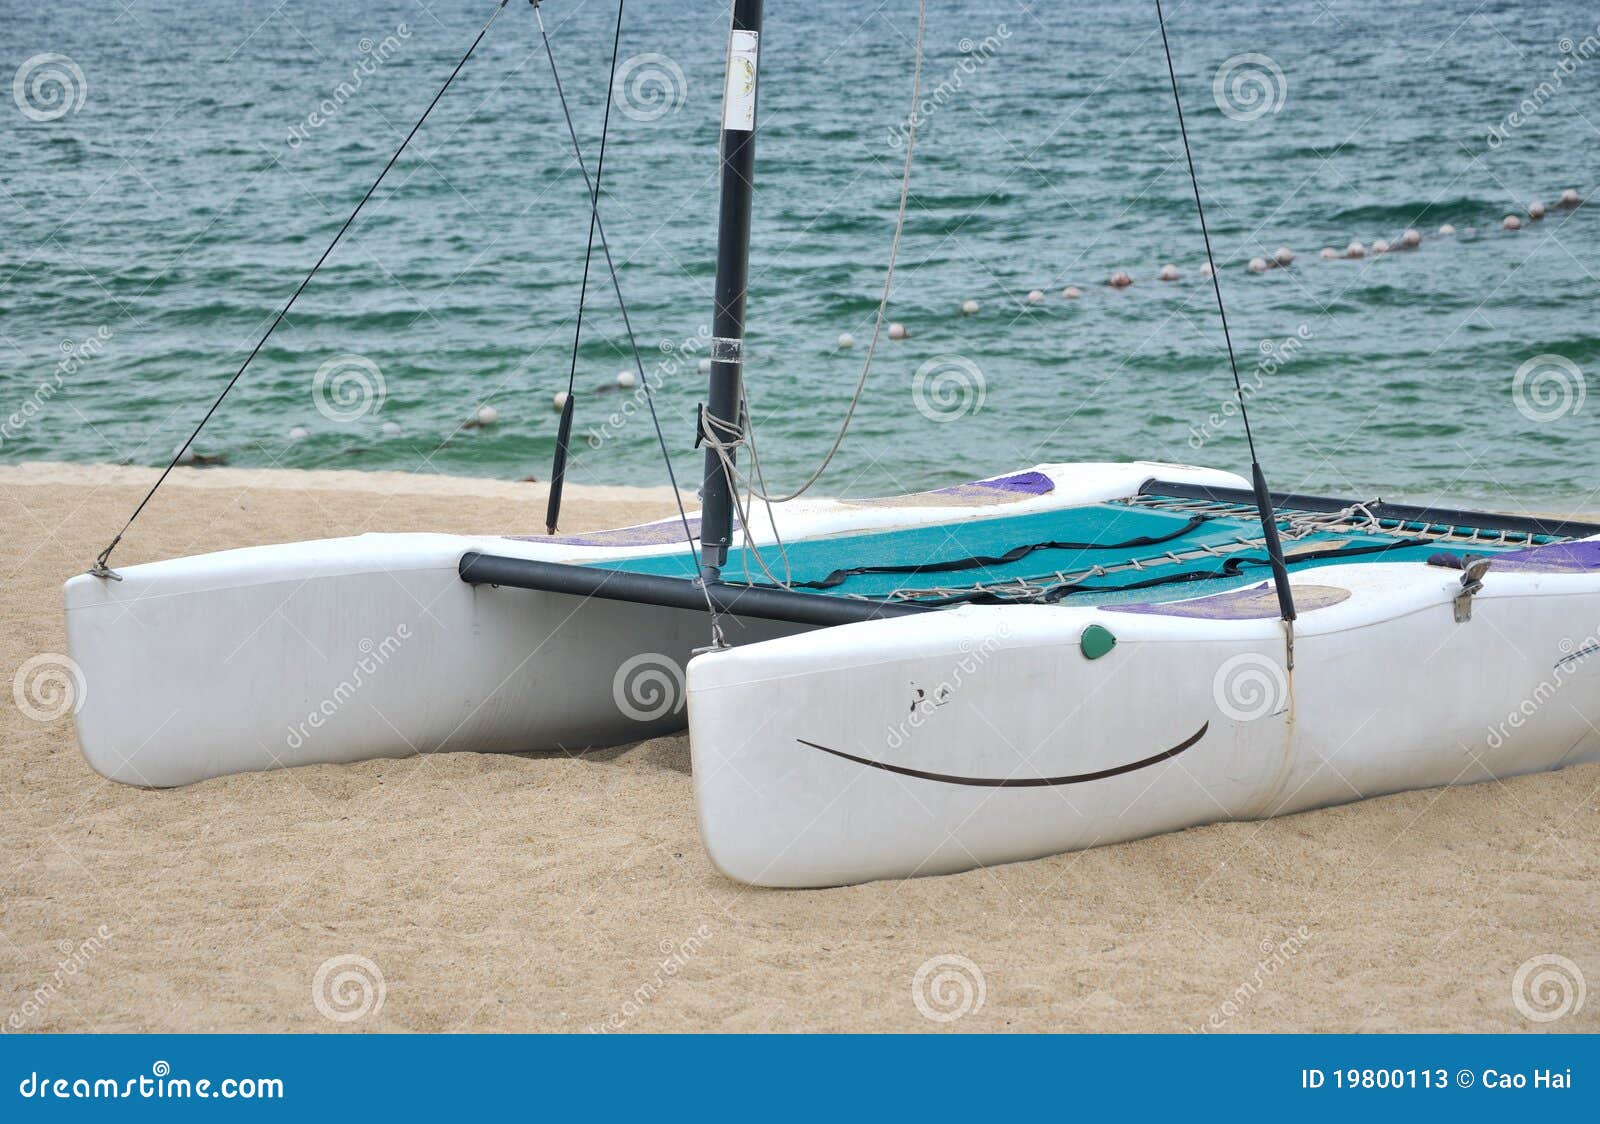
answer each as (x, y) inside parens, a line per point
(1151, 553)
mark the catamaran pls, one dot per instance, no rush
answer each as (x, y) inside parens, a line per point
(1051, 658)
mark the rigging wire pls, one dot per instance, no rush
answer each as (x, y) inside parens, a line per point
(558, 468)
(102, 563)
(622, 304)
(1269, 522)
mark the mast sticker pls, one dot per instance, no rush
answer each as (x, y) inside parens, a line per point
(739, 93)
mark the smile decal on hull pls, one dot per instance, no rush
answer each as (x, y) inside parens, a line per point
(1019, 782)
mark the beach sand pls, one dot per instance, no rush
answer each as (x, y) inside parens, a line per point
(553, 893)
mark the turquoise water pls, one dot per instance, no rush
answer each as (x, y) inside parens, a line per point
(153, 229)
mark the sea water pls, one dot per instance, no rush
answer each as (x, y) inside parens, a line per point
(169, 171)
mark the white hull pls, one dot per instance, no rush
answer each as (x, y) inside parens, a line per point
(1388, 693)
(346, 649)
(906, 746)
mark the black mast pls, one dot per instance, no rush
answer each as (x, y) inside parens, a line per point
(721, 421)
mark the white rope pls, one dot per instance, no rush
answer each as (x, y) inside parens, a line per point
(888, 284)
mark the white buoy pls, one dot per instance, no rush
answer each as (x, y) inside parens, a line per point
(897, 331)
(1536, 210)
(1283, 255)
(968, 307)
(1120, 280)
(1411, 239)
(1035, 296)
(704, 366)
(1169, 272)
(1447, 230)
(486, 415)
(1206, 270)
(559, 400)
(1571, 198)
(1258, 265)
(1511, 222)
(1380, 247)
(1355, 250)
(390, 429)
(296, 433)
(185, 454)
(627, 380)
(847, 341)
(1328, 253)
(1072, 292)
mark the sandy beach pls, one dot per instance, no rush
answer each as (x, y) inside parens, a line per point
(480, 892)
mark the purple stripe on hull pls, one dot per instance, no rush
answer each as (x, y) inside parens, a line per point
(1027, 483)
(1256, 603)
(1556, 558)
